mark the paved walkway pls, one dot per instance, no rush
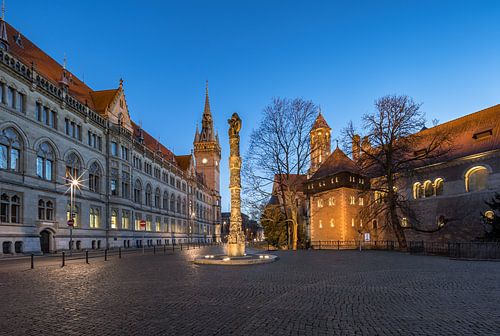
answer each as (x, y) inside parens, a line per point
(304, 293)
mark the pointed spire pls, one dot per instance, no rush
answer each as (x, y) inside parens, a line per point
(320, 122)
(207, 100)
(64, 62)
(4, 42)
(121, 83)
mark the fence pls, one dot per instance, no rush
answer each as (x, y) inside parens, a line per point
(354, 244)
(457, 250)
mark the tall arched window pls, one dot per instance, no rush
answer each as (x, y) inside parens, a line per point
(172, 202)
(476, 179)
(45, 210)
(45, 161)
(157, 198)
(428, 189)
(95, 177)
(73, 166)
(184, 209)
(165, 200)
(137, 192)
(178, 204)
(417, 190)
(10, 150)
(438, 186)
(95, 217)
(149, 195)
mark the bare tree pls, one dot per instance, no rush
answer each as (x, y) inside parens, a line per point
(391, 145)
(278, 158)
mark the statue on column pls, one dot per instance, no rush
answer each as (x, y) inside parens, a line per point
(236, 239)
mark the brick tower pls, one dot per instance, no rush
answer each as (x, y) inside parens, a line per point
(320, 143)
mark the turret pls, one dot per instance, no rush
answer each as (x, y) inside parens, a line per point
(320, 143)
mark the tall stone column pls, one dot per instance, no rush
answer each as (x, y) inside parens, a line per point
(236, 239)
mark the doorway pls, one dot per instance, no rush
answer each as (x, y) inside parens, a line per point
(45, 237)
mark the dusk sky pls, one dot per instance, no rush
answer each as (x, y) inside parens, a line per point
(340, 54)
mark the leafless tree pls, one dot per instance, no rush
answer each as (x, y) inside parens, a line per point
(394, 141)
(278, 155)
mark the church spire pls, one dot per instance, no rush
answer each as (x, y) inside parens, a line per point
(207, 125)
(206, 110)
(4, 42)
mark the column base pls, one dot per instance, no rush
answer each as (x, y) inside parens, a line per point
(236, 249)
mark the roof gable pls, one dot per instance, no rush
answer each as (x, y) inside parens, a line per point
(337, 162)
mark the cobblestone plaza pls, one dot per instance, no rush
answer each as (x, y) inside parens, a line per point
(304, 293)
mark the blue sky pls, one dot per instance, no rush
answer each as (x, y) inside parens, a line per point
(341, 54)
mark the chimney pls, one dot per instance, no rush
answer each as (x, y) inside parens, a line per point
(355, 147)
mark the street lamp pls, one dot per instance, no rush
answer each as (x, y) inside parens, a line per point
(74, 183)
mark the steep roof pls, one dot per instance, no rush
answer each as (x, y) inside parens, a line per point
(29, 53)
(296, 181)
(183, 161)
(320, 122)
(152, 143)
(102, 99)
(474, 133)
(337, 162)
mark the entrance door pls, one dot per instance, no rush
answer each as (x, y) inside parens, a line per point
(45, 241)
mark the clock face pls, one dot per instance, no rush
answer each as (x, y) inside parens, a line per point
(204, 161)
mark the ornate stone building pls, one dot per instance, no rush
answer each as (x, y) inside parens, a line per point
(446, 196)
(53, 127)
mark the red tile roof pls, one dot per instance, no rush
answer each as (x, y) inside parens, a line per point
(183, 161)
(337, 162)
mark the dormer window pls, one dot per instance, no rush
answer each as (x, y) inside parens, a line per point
(482, 135)
(420, 153)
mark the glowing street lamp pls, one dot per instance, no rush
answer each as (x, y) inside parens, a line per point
(73, 184)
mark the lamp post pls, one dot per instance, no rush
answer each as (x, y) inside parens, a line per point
(71, 221)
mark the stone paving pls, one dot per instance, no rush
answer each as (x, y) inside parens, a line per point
(304, 293)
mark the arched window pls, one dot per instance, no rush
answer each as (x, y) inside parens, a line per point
(45, 210)
(438, 186)
(178, 204)
(184, 209)
(157, 198)
(417, 190)
(10, 208)
(137, 192)
(476, 179)
(95, 177)
(165, 200)
(73, 166)
(95, 217)
(45, 161)
(149, 194)
(375, 224)
(10, 150)
(172, 202)
(428, 189)
(114, 219)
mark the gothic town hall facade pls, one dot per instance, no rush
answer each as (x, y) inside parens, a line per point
(134, 191)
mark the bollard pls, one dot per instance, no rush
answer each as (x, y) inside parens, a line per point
(32, 261)
(181, 246)
(165, 249)
(119, 252)
(63, 260)
(154, 249)
(86, 256)
(173, 247)
(106, 255)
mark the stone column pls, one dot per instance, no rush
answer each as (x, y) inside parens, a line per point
(236, 239)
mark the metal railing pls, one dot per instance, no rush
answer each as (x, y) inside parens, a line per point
(354, 244)
(457, 250)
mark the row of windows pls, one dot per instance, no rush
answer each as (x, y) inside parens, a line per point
(13, 98)
(353, 223)
(475, 179)
(331, 201)
(334, 180)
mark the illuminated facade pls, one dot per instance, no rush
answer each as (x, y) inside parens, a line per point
(54, 127)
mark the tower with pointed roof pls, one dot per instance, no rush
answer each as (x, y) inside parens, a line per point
(4, 41)
(207, 151)
(320, 143)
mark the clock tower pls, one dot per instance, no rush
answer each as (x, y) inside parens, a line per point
(207, 151)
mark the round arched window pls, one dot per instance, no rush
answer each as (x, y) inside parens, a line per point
(476, 179)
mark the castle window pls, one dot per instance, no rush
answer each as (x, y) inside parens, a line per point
(10, 208)
(149, 195)
(45, 210)
(331, 201)
(352, 222)
(428, 189)
(332, 223)
(320, 203)
(114, 148)
(476, 179)
(417, 190)
(149, 219)
(73, 166)
(375, 224)
(165, 200)
(157, 198)
(125, 185)
(45, 161)
(114, 219)
(95, 178)
(158, 224)
(125, 219)
(95, 217)
(137, 192)
(438, 186)
(361, 201)
(352, 200)
(10, 150)
(320, 224)
(404, 222)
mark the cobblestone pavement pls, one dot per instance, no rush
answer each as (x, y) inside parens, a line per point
(304, 293)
